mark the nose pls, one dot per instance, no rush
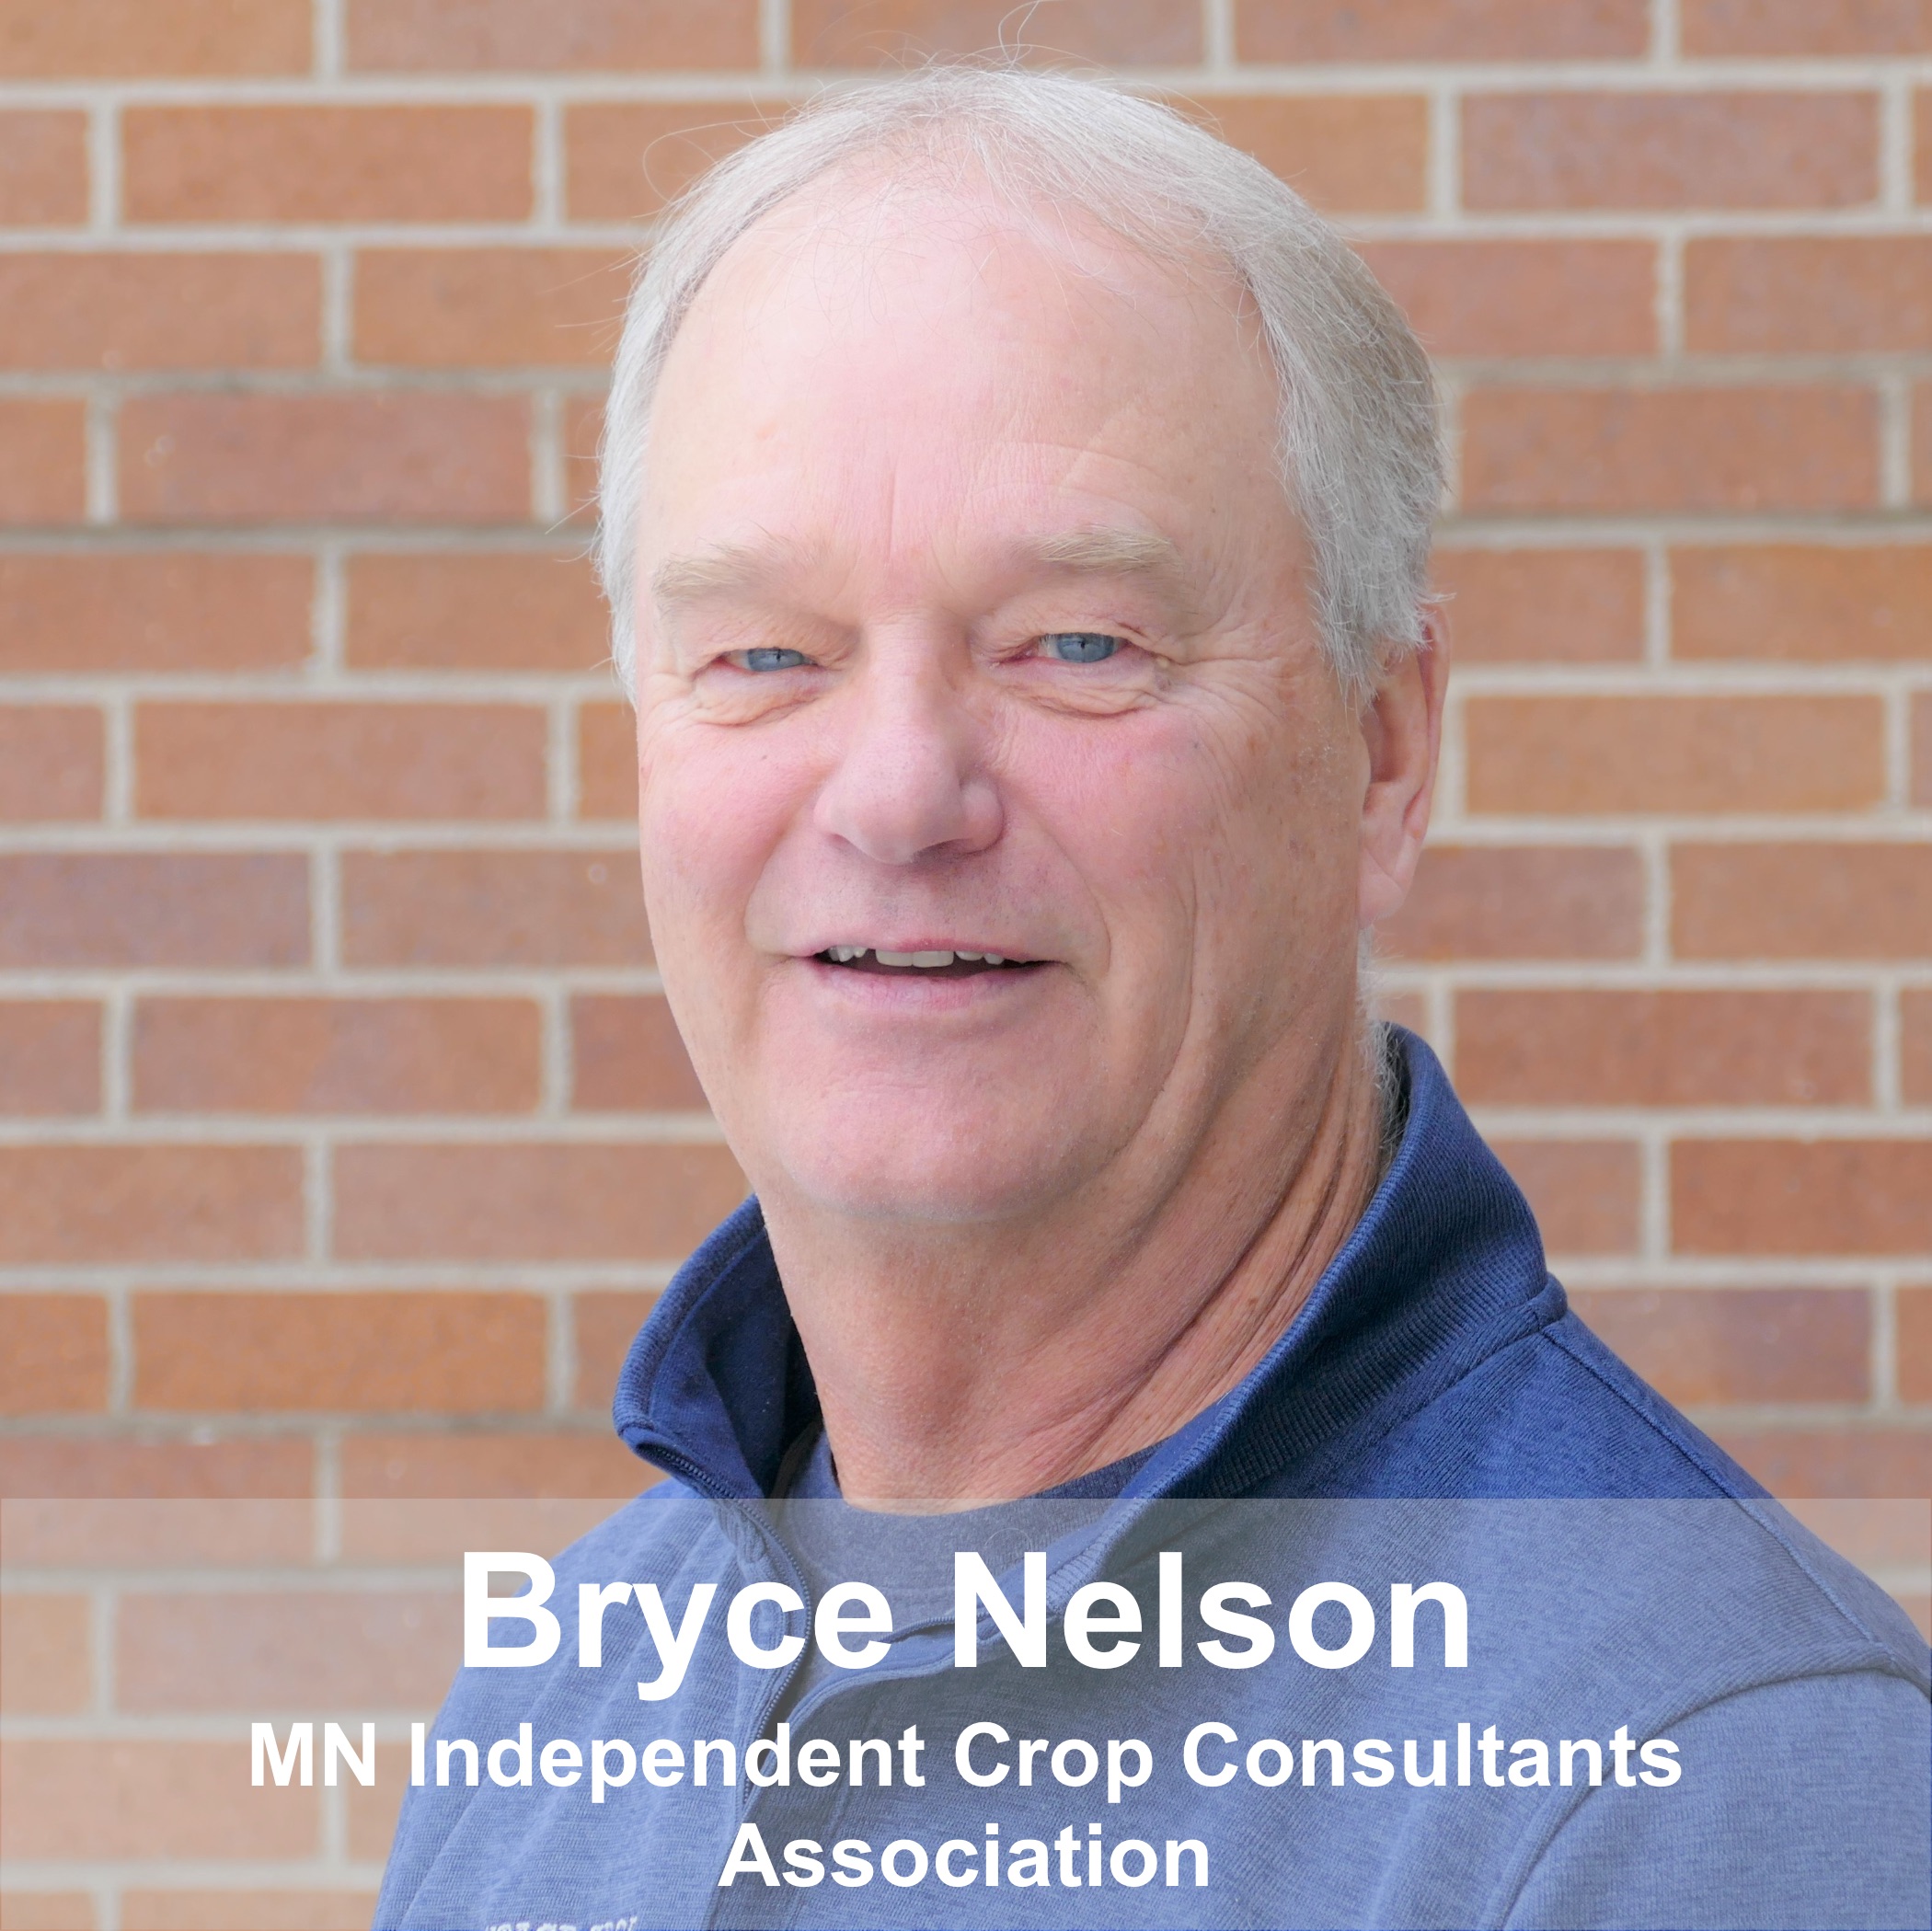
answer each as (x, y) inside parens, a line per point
(909, 780)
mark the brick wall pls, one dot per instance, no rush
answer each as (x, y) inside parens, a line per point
(343, 1137)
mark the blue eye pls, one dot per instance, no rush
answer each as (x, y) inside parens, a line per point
(1079, 647)
(773, 659)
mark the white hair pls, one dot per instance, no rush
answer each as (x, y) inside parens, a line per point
(1359, 453)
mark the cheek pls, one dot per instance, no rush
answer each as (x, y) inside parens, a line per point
(711, 806)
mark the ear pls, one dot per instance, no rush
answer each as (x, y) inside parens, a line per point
(1402, 727)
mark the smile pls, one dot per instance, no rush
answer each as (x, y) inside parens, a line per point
(952, 964)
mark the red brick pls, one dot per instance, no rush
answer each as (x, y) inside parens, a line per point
(1801, 1196)
(1808, 295)
(422, 36)
(1695, 450)
(273, 1650)
(1914, 1344)
(328, 163)
(1922, 749)
(1709, 150)
(1520, 298)
(1761, 26)
(1922, 121)
(43, 168)
(1555, 606)
(145, 1910)
(1704, 1347)
(153, 908)
(501, 908)
(345, 458)
(1283, 30)
(1864, 1461)
(1349, 154)
(238, 1479)
(869, 33)
(42, 461)
(53, 1353)
(1802, 900)
(1409, 1009)
(536, 1201)
(82, 1800)
(628, 1057)
(44, 1668)
(50, 1057)
(1916, 1046)
(47, 1911)
(474, 761)
(606, 1324)
(1520, 901)
(238, 1055)
(71, 1206)
(1871, 1530)
(445, 1465)
(167, 611)
(120, 312)
(476, 611)
(624, 159)
(481, 308)
(50, 761)
(1714, 754)
(1663, 1049)
(582, 426)
(139, 38)
(1802, 602)
(1584, 1192)
(1922, 423)
(606, 762)
(420, 1351)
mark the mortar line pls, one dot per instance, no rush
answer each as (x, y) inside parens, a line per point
(1894, 399)
(1884, 1345)
(330, 50)
(1219, 54)
(773, 38)
(119, 1303)
(1895, 145)
(1666, 48)
(101, 428)
(103, 169)
(1886, 1092)
(561, 1352)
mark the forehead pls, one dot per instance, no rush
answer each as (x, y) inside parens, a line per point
(928, 356)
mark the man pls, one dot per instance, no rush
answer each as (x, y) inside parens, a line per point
(1016, 513)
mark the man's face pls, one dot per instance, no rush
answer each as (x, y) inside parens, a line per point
(974, 621)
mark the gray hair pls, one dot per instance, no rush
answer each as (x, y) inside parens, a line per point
(1359, 452)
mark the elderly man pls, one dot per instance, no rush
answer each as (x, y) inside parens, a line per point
(1017, 511)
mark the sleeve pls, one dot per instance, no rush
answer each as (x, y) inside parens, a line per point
(1803, 1804)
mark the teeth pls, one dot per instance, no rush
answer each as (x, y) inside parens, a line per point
(926, 961)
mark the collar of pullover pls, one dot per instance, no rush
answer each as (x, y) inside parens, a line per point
(1444, 1269)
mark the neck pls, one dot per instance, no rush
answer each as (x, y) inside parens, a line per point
(960, 1366)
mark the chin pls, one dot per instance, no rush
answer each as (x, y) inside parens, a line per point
(892, 1168)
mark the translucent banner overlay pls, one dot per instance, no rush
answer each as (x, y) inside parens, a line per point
(1093, 1712)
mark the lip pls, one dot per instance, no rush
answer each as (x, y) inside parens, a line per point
(924, 994)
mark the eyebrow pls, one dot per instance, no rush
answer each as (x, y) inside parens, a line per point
(1099, 551)
(716, 572)
(1093, 550)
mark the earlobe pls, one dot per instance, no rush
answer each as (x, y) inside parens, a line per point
(1402, 725)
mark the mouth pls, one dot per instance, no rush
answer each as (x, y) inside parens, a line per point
(937, 963)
